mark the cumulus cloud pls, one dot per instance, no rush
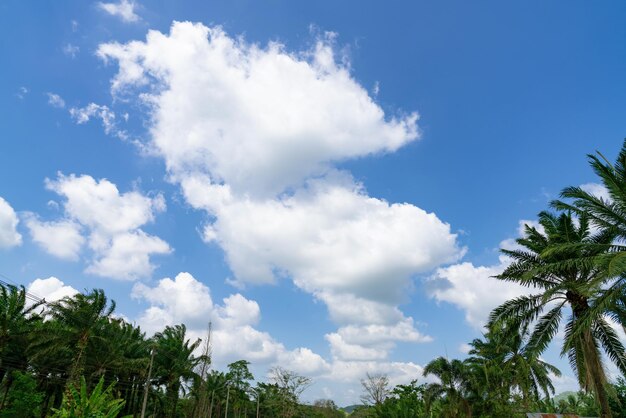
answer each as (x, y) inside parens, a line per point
(258, 119)
(252, 134)
(125, 10)
(109, 222)
(50, 289)
(62, 239)
(234, 336)
(9, 237)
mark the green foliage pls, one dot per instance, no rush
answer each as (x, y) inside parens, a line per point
(23, 399)
(618, 402)
(99, 404)
(405, 401)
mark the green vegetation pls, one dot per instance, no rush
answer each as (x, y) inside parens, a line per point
(74, 358)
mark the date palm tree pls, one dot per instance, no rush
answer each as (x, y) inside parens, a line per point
(543, 263)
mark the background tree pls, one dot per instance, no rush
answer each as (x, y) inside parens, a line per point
(375, 388)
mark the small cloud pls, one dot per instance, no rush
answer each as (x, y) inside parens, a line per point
(71, 50)
(21, 93)
(125, 10)
(55, 100)
(376, 89)
(107, 116)
(465, 348)
(74, 25)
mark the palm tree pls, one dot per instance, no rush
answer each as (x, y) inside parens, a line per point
(80, 321)
(605, 213)
(502, 362)
(455, 382)
(175, 362)
(543, 264)
(17, 320)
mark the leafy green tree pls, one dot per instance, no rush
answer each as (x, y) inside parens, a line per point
(23, 400)
(404, 401)
(543, 263)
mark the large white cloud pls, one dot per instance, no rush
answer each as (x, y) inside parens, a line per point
(329, 237)
(112, 223)
(258, 119)
(9, 237)
(252, 134)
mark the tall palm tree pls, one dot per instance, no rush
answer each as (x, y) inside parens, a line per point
(454, 386)
(174, 362)
(543, 264)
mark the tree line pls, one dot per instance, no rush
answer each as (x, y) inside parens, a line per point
(75, 358)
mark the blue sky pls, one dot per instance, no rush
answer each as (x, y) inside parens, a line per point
(272, 151)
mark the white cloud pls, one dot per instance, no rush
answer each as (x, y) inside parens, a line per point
(112, 223)
(258, 119)
(50, 289)
(251, 134)
(186, 300)
(9, 237)
(61, 239)
(126, 255)
(125, 10)
(55, 100)
(465, 348)
(71, 50)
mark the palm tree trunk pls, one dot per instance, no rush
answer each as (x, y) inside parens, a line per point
(596, 372)
(592, 359)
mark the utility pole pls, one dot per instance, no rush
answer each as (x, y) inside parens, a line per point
(145, 394)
